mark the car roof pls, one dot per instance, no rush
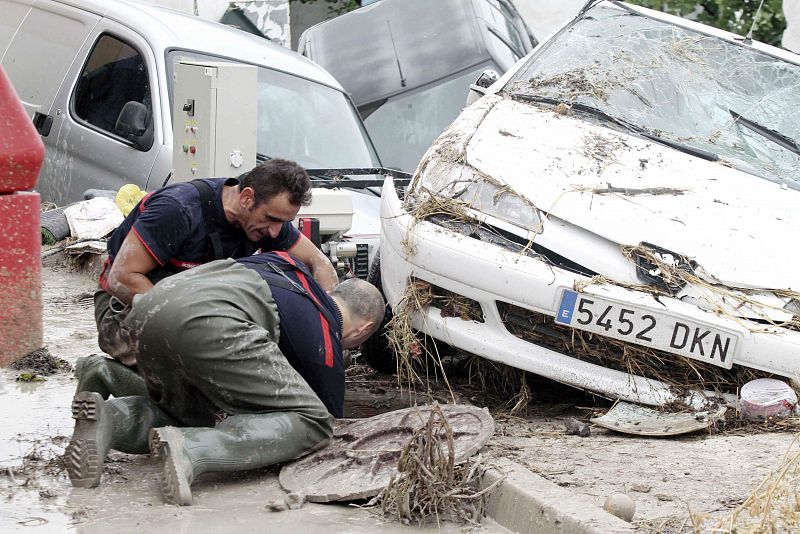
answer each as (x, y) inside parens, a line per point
(449, 40)
(166, 29)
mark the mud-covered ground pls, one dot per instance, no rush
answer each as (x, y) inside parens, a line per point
(35, 426)
(707, 473)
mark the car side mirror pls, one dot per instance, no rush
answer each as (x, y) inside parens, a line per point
(484, 81)
(132, 124)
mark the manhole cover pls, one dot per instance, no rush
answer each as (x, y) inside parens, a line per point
(363, 454)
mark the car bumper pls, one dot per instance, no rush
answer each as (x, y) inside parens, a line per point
(490, 274)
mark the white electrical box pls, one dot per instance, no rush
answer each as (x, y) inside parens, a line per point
(214, 119)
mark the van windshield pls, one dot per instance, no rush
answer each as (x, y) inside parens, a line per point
(696, 90)
(310, 123)
(301, 120)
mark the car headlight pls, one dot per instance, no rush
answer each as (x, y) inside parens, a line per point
(481, 193)
(503, 203)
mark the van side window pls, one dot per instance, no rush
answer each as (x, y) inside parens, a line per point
(114, 74)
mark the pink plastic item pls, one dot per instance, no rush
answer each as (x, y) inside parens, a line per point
(767, 397)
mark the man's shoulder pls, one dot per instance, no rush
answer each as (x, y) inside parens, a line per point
(187, 193)
(284, 260)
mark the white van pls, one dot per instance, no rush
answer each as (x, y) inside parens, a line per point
(76, 63)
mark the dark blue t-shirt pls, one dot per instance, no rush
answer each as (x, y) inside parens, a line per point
(312, 346)
(169, 222)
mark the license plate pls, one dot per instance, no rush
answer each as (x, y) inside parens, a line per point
(643, 326)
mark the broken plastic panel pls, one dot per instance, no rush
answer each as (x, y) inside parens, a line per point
(640, 420)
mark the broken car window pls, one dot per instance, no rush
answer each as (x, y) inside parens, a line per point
(674, 84)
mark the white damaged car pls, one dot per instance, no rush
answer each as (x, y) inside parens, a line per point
(619, 211)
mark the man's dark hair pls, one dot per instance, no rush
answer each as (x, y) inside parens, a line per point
(275, 176)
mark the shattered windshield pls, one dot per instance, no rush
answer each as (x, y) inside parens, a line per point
(668, 82)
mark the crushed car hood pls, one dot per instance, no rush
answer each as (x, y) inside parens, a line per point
(738, 227)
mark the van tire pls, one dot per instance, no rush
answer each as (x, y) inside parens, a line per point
(376, 349)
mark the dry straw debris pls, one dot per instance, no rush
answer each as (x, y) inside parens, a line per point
(679, 274)
(401, 335)
(429, 485)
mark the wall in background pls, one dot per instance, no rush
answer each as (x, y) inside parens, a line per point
(791, 37)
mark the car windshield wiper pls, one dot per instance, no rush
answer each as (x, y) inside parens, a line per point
(693, 151)
(336, 178)
(776, 137)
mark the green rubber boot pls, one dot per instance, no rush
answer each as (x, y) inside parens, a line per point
(238, 443)
(100, 425)
(108, 377)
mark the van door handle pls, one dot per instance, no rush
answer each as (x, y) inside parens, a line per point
(42, 123)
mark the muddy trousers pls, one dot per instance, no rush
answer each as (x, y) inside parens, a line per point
(108, 377)
(207, 340)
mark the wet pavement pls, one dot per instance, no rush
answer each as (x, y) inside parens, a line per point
(35, 493)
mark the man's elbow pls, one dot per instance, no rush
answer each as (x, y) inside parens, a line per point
(324, 272)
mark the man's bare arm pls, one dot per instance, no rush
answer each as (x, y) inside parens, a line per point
(320, 266)
(128, 274)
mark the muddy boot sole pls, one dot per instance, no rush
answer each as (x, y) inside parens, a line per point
(167, 444)
(84, 454)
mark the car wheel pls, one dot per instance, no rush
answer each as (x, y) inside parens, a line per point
(381, 357)
(376, 348)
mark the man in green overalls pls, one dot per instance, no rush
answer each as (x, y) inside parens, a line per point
(257, 338)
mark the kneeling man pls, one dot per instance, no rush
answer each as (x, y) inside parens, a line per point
(257, 338)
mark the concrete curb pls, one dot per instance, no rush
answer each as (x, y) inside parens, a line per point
(527, 503)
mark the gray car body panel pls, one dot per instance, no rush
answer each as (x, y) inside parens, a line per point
(45, 44)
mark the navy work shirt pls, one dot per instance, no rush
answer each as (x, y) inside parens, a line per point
(312, 346)
(169, 222)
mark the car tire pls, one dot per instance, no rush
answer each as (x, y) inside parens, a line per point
(376, 349)
(381, 357)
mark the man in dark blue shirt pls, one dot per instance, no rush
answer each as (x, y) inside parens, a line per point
(175, 228)
(309, 338)
(257, 338)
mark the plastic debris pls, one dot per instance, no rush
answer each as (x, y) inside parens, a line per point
(767, 398)
(128, 196)
(93, 219)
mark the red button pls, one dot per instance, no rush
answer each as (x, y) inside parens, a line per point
(192, 149)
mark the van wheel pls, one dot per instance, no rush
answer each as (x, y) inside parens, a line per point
(376, 349)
